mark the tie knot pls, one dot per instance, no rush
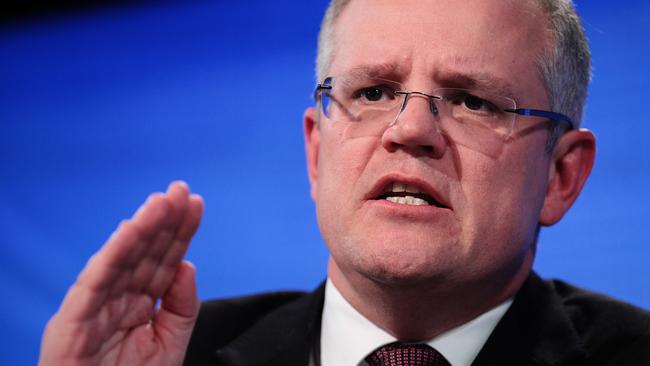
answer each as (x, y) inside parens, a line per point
(406, 354)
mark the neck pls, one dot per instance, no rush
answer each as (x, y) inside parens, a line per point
(421, 311)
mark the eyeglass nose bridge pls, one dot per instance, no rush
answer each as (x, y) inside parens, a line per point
(433, 108)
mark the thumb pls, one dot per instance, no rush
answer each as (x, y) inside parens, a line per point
(179, 309)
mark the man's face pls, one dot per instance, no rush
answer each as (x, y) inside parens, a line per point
(485, 224)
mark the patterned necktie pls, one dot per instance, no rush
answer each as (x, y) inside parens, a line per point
(406, 354)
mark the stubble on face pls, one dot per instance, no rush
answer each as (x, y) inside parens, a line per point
(495, 202)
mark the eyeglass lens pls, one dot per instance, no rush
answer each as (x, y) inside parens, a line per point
(367, 106)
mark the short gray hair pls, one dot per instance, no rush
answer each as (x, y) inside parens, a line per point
(565, 67)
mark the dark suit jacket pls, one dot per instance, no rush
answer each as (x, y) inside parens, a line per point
(549, 323)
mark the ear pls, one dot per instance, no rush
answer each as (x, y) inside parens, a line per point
(312, 141)
(570, 164)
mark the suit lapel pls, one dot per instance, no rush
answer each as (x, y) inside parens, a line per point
(535, 330)
(286, 336)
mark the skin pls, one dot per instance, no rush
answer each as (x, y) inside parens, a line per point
(417, 272)
(394, 264)
(108, 316)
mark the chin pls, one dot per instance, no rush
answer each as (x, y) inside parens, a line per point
(405, 262)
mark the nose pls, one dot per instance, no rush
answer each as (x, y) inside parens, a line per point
(416, 129)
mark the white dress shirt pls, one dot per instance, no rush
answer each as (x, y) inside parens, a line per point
(347, 337)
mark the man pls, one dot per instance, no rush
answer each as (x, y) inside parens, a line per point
(445, 135)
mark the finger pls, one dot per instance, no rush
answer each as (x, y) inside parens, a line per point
(114, 261)
(166, 242)
(159, 230)
(112, 266)
(150, 224)
(177, 198)
(178, 194)
(99, 300)
(169, 263)
(192, 220)
(126, 247)
(148, 265)
(169, 333)
(179, 309)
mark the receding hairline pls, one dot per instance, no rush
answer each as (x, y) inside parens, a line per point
(329, 26)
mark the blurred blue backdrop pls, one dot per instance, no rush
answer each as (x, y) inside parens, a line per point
(101, 106)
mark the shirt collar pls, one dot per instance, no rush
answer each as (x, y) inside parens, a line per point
(347, 337)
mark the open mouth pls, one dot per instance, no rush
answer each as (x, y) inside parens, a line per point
(408, 194)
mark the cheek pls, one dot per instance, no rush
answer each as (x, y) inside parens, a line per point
(504, 203)
(342, 160)
(342, 163)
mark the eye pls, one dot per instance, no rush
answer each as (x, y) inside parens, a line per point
(375, 94)
(474, 103)
(372, 94)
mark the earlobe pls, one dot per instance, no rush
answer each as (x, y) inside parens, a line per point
(312, 141)
(569, 168)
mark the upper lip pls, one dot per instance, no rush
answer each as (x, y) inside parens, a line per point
(380, 186)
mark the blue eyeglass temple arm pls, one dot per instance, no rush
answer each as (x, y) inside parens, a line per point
(557, 117)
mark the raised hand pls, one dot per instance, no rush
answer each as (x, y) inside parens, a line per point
(109, 315)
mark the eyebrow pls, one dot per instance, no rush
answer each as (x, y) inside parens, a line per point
(388, 70)
(477, 81)
(465, 80)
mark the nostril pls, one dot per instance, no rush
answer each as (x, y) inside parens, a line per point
(416, 131)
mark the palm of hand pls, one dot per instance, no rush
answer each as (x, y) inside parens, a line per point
(108, 316)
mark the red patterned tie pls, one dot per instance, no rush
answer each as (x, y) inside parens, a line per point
(405, 354)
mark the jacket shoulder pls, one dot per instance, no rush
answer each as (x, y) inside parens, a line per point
(609, 329)
(222, 320)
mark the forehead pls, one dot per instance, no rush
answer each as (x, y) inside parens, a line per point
(501, 39)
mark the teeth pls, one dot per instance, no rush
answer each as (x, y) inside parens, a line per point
(412, 189)
(407, 200)
(401, 187)
(419, 201)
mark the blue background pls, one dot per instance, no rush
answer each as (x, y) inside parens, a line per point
(102, 106)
